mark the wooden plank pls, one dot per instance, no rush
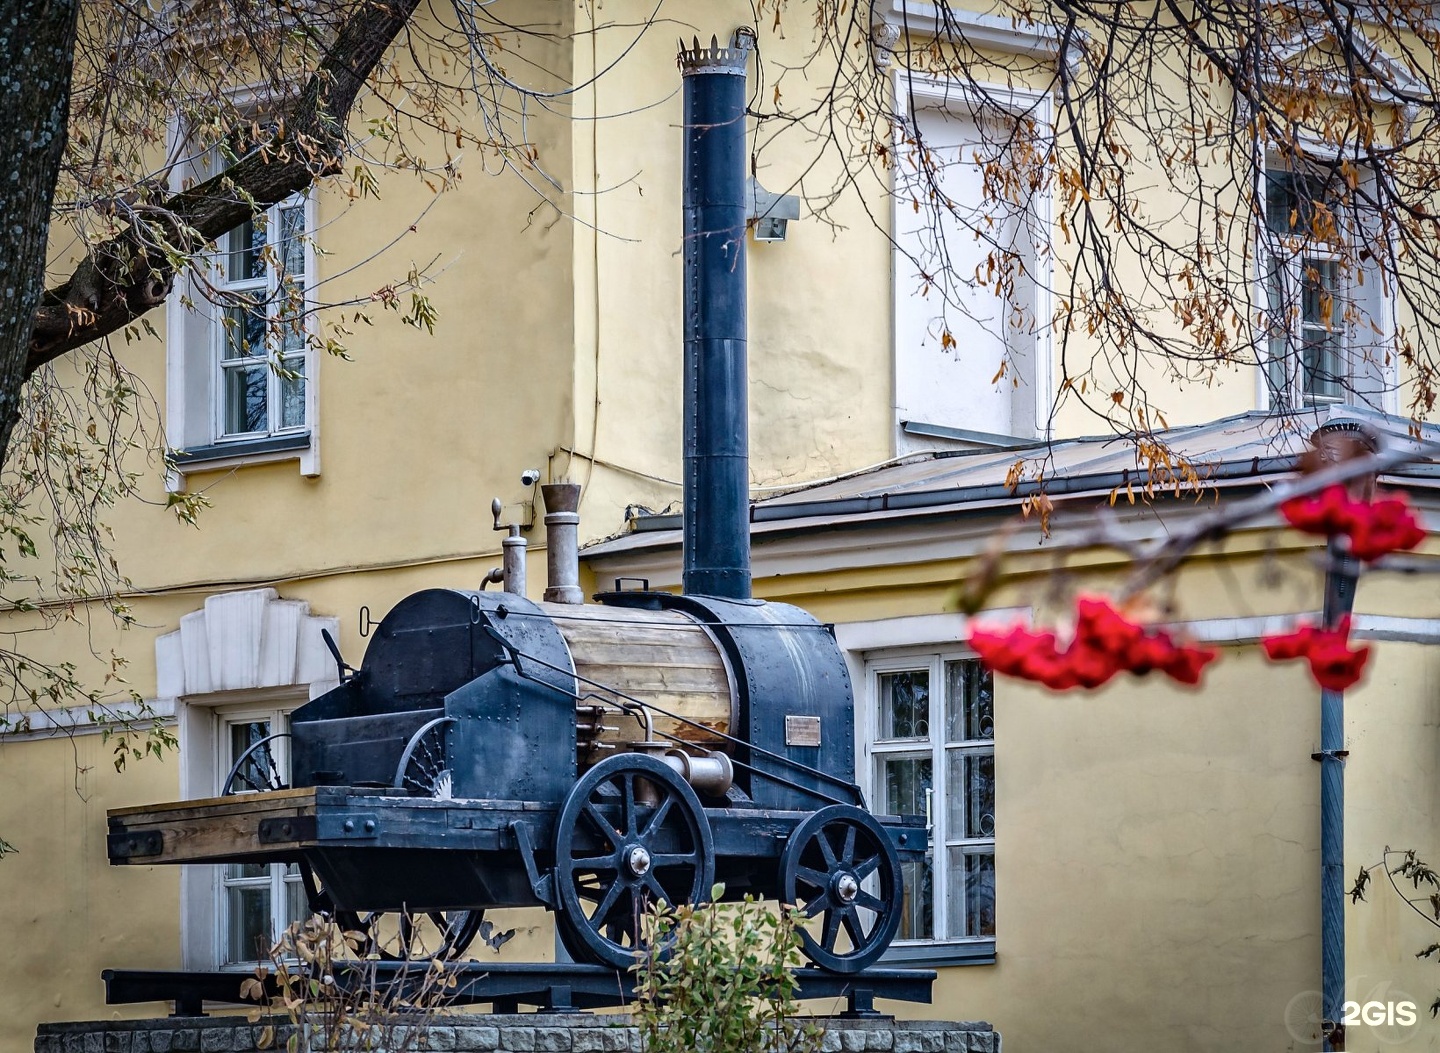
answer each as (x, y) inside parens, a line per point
(207, 802)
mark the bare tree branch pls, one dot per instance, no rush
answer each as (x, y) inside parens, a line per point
(127, 276)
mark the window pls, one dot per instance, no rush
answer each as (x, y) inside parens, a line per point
(257, 901)
(1327, 336)
(260, 334)
(240, 365)
(971, 308)
(936, 714)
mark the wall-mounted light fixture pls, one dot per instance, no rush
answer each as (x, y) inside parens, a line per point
(767, 213)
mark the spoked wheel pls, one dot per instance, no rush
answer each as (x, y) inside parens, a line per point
(391, 936)
(424, 765)
(631, 834)
(255, 770)
(402, 936)
(840, 867)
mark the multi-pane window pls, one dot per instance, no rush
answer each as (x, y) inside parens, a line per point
(933, 751)
(257, 900)
(260, 333)
(1307, 291)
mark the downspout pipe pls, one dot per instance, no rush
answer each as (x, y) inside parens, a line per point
(717, 443)
(1334, 441)
(1340, 582)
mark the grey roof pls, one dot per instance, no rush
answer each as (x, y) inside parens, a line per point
(1231, 451)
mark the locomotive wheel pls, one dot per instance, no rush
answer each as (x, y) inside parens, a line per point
(423, 764)
(631, 834)
(402, 936)
(389, 936)
(824, 871)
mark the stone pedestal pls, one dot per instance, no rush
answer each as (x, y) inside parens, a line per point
(484, 1033)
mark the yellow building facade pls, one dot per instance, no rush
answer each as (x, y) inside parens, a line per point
(1138, 866)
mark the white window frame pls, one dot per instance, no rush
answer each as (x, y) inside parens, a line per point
(278, 881)
(270, 288)
(203, 722)
(935, 746)
(897, 643)
(193, 393)
(930, 92)
(1372, 299)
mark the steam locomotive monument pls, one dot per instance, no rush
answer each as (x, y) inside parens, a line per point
(593, 759)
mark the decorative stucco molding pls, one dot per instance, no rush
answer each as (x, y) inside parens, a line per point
(243, 641)
(991, 32)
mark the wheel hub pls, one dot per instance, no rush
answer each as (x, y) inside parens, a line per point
(846, 887)
(637, 860)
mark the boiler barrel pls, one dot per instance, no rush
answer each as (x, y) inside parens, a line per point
(663, 658)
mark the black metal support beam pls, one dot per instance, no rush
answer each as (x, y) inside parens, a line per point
(557, 988)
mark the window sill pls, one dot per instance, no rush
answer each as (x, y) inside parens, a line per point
(978, 952)
(220, 455)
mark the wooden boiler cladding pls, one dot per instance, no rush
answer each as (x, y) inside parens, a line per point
(664, 658)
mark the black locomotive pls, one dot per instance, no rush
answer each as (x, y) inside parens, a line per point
(493, 751)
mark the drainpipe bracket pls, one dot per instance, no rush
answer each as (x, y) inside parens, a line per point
(1337, 754)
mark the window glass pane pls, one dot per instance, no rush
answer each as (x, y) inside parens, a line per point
(240, 871)
(244, 244)
(905, 704)
(292, 393)
(244, 335)
(291, 318)
(970, 893)
(969, 702)
(292, 230)
(917, 912)
(1318, 303)
(1290, 203)
(903, 783)
(246, 394)
(969, 795)
(244, 734)
(1279, 345)
(249, 936)
(255, 774)
(1280, 203)
(297, 908)
(1323, 365)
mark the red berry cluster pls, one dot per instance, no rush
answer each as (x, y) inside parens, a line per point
(1332, 663)
(1105, 643)
(1375, 528)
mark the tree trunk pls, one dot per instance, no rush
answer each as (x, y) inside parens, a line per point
(37, 48)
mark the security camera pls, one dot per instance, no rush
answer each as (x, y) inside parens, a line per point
(530, 476)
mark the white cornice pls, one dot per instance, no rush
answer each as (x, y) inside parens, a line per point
(987, 32)
(1397, 75)
(85, 720)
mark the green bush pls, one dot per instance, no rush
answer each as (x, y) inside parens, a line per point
(718, 980)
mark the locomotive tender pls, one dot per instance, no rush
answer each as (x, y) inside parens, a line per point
(593, 759)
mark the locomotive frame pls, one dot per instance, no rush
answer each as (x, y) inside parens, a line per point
(402, 806)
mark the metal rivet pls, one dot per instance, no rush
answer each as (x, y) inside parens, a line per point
(369, 826)
(349, 826)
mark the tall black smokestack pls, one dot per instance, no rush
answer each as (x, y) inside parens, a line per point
(717, 444)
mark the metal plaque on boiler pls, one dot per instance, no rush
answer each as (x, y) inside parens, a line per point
(802, 731)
